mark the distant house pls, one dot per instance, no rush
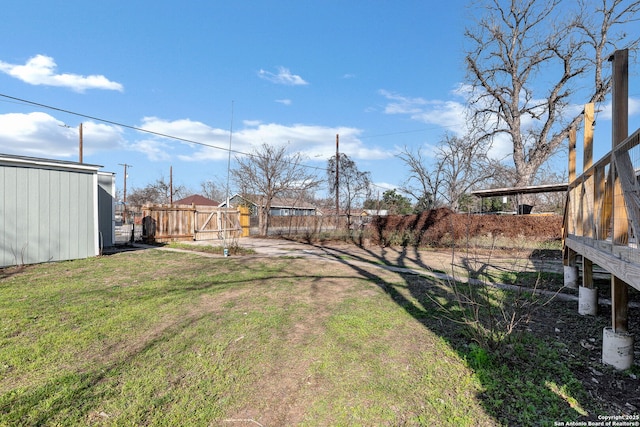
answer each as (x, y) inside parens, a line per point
(374, 212)
(53, 210)
(279, 206)
(196, 199)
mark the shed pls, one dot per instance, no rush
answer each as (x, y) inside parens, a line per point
(518, 191)
(49, 210)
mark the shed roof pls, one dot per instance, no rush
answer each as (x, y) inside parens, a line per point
(532, 189)
(24, 161)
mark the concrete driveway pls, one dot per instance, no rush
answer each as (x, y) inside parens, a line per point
(278, 247)
(267, 247)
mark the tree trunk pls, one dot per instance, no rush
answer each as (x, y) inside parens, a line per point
(263, 220)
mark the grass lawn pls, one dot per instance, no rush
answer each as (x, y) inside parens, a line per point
(163, 338)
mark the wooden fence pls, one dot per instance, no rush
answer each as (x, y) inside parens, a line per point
(165, 223)
(295, 225)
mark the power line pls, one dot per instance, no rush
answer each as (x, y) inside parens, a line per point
(164, 135)
(111, 122)
(160, 134)
(139, 129)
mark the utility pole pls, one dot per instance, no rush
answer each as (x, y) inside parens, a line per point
(80, 147)
(171, 185)
(124, 199)
(337, 178)
(223, 215)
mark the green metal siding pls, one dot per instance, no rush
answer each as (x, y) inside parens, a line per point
(46, 215)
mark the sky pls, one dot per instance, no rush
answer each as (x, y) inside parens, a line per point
(217, 74)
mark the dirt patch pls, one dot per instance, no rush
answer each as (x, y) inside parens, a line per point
(282, 391)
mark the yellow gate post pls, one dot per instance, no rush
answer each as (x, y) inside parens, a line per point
(244, 220)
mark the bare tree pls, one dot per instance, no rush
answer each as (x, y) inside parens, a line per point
(211, 190)
(270, 172)
(424, 181)
(159, 191)
(352, 185)
(464, 164)
(458, 164)
(531, 59)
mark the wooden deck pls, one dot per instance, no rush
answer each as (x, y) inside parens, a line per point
(602, 210)
(617, 260)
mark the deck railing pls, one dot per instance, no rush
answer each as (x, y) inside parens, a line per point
(602, 214)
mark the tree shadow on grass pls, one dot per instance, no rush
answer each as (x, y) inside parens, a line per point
(524, 380)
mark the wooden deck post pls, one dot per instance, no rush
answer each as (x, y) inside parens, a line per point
(570, 256)
(587, 162)
(620, 101)
(572, 154)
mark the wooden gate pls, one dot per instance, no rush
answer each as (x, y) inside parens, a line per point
(165, 223)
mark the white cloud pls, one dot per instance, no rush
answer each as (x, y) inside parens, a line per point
(317, 143)
(158, 147)
(401, 104)
(284, 101)
(606, 112)
(282, 77)
(155, 150)
(634, 106)
(41, 70)
(182, 128)
(312, 140)
(450, 115)
(381, 187)
(41, 135)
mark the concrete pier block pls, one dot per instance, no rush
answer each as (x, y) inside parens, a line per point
(571, 276)
(617, 349)
(587, 301)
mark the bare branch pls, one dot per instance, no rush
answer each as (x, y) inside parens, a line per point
(526, 69)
